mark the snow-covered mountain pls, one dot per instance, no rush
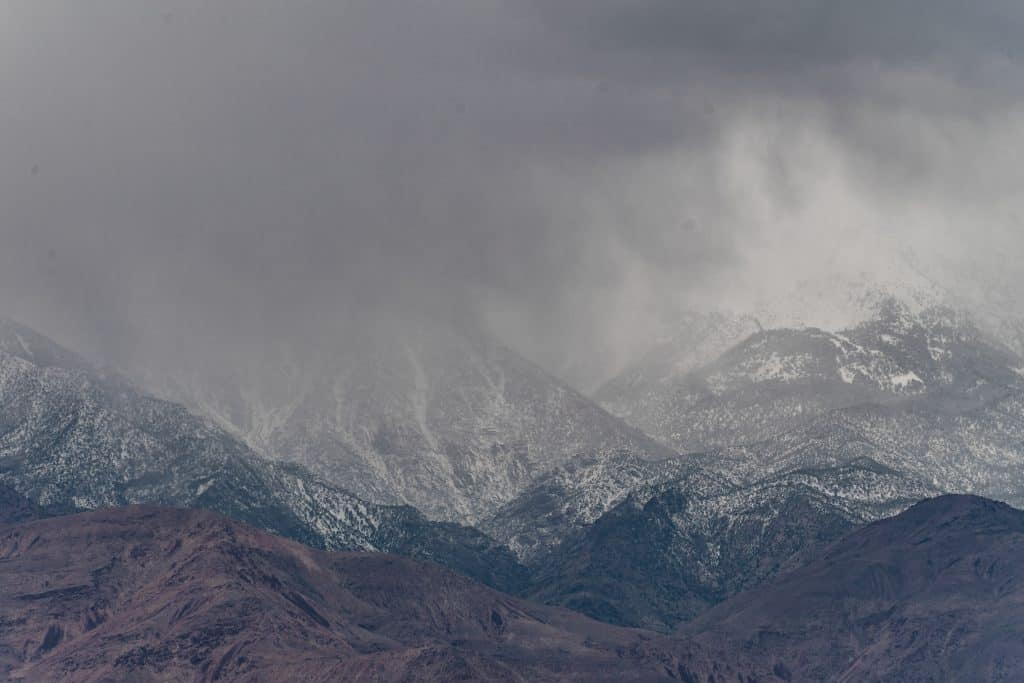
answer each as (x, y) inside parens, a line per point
(71, 440)
(421, 414)
(956, 448)
(927, 393)
(902, 282)
(575, 495)
(797, 436)
(778, 379)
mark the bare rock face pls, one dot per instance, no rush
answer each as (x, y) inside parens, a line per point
(934, 594)
(145, 593)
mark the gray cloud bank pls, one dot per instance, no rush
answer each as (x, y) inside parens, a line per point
(183, 175)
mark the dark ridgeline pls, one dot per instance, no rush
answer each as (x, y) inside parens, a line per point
(670, 551)
(934, 594)
(144, 593)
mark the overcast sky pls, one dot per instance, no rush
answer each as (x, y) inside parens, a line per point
(185, 174)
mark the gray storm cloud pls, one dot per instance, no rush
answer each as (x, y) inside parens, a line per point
(180, 175)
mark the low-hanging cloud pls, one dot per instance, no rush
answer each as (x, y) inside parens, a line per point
(181, 175)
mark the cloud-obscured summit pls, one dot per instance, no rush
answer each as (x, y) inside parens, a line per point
(568, 175)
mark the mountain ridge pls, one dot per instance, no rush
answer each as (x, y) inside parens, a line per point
(148, 593)
(72, 440)
(932, 594)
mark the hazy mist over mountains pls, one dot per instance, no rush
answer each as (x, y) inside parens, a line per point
(182, 180)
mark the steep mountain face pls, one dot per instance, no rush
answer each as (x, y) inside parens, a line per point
(935, 594)
(673, 547)
(71, 440)
(451, 423)
(146, 594)
(777, 380)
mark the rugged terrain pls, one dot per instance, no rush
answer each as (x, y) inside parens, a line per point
(146, 594)
(630, 534)
(642, 393)
(678, 538)
(71, 439)
(801, 435)
(777, 379)
(926, 393)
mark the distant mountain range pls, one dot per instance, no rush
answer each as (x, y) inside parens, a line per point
(641, 392)
(766, 446)
(802, 435)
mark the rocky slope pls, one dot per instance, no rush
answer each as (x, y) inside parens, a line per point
(147, 594)
(422, 414)
(935, 594)
(70, 439)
